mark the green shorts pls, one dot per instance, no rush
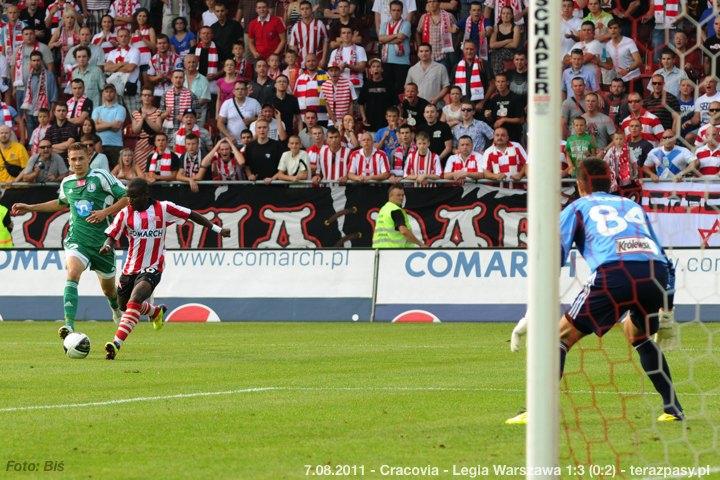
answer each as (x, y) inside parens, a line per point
(103, 264)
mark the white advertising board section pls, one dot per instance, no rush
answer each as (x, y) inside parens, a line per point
(491, 285)
(223, 274)
(235, 284)
(453, 285)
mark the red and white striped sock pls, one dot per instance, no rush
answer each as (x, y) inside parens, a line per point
(149, 309)
(130, 318)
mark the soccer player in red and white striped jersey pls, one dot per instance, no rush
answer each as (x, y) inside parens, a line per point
(309, 34)
(145, 223)
(368, 163)
(708, 156)
(504, 160)
(422, 165)
(333, 159)
(465, 163)
(652, 128)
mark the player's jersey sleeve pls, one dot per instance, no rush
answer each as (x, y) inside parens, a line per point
(175, 213)
(116, 229)
(62, 198)
(568, 229)
(111, 185)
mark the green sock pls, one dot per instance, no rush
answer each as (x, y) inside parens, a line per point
(113, 302)
(70, 301)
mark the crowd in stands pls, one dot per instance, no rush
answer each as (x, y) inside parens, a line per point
(343, 90)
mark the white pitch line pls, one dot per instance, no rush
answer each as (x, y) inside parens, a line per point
(136, 399)
(121, 401)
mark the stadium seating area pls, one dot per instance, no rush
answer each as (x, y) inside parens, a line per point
(338, 90)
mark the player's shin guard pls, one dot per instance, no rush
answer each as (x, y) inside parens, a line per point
(129, 319)
(70, 302)
(563, 353)
(653, 362)
(148, 309)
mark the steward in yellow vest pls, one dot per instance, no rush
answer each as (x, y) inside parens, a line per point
(392, 227)
(5, 228)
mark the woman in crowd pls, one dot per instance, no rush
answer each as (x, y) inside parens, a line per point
(451, 113)
(505, 39)
(143, 38)
(146, 123)
(126, 169)
(88, 128)
(226, 83)
(64, 36)
(106, 38)
(182, 40)
(348, 135)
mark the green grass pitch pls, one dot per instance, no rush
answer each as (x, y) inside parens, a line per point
(274, 401)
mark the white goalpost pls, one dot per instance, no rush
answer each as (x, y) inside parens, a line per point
(544, 99)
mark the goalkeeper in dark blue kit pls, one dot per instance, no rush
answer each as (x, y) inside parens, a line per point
(630, 273)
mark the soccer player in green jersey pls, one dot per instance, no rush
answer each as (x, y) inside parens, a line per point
(92, 196)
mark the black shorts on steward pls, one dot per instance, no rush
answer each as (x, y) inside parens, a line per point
(618, 287)
(126, 283)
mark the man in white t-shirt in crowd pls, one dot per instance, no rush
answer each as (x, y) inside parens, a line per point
(276, 127)
(569, 27)
(381, 9)
(625, 57)
(351, 59)
(122, 66)
(702, 104)
(592, 49)
(237, 113)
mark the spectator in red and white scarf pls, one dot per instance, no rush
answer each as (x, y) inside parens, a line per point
(162, 164)
(40, 90)
(162, 66)
(189, 125)
(394, 37)
(79, 105)
(436, 27)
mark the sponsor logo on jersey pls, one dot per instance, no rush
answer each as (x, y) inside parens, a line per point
(635, 245)
(147, 233)
(83, 208)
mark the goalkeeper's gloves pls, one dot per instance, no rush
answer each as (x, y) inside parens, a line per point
(518, 332)
(666, 336)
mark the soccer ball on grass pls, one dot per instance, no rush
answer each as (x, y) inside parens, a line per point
(76, 345)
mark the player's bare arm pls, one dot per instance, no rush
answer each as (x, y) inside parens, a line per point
(46, 207)
(98, 216)
(107, 246)
(200, 220)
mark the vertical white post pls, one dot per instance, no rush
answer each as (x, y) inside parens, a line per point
(544, 103)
